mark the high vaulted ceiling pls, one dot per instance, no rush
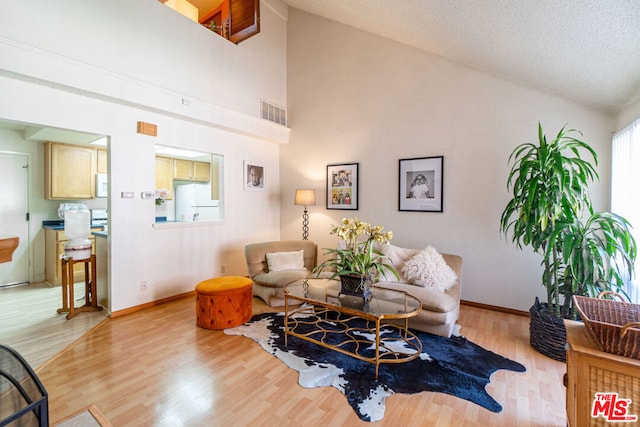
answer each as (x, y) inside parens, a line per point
(585, 50)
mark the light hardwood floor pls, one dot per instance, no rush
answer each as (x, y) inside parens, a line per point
(157, 368)
(30, 324)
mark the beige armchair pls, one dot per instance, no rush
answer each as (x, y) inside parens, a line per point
(269, 285)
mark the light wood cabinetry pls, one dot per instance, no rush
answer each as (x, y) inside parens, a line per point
(102, 161)
(54, 241)
(191, 170)
(201, 171)
(183, 169)
(70, 171)
(591, 371)
(164, 174)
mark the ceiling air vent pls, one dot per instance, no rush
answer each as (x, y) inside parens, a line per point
(273, 113)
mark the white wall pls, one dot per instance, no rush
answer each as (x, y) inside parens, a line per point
(356, 97)
(628, 115)
(100, 67)
(148, 42)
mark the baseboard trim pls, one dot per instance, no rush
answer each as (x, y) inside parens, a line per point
(144, 306)
(495, 308)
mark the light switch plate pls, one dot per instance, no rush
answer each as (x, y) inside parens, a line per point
(127, 194)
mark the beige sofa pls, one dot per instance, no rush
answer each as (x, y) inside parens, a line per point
(269, 285)
(440, 310)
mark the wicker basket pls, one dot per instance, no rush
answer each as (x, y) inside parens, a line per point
(614, 325)
(547, 334)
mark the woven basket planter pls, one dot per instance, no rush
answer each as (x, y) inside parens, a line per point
(547, 333)
(614, 325)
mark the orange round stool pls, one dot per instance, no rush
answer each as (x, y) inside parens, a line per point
(223, 302)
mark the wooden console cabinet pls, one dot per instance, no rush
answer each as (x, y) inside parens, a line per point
(591, 371)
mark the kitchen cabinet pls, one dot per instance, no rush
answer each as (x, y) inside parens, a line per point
(591, 371)
(70, 171)
(102, 161)
(164, 175)
(201, 171)
(191, 170)
(54, 241)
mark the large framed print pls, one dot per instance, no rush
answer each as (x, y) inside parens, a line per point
(342, 186)
(421, 184)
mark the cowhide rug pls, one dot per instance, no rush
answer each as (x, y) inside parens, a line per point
(455, 366)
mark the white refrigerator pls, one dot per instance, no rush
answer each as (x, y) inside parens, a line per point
(193, 203)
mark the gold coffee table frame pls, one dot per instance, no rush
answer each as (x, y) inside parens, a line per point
(332, 312)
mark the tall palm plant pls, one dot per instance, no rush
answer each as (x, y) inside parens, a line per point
(549, 183)
(598, 255)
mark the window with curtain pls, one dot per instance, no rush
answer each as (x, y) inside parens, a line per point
(625, 188)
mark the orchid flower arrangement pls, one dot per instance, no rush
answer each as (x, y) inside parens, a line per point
(358, 255)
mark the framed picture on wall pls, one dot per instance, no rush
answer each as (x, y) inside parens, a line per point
(342, 186)
(421, 184)
(254, 176)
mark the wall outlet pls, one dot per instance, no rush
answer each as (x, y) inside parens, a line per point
(144, 285)
(223, 269)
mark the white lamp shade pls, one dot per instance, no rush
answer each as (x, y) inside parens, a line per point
(305, 197)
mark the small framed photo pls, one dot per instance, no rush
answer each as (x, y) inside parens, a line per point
(421, 184)
(254, 175)
(342, 186)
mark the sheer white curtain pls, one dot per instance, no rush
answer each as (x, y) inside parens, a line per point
(625, 188)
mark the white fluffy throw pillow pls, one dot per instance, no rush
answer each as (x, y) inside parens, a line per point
(427, 268)
(397, 256)
(282, 261)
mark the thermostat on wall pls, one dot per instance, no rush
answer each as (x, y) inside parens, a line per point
(148, 195)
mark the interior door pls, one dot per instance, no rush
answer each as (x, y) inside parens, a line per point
(14, 222)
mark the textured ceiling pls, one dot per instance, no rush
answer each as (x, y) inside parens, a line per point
(586, 50)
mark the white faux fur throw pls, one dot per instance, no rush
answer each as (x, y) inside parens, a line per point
(429, 269)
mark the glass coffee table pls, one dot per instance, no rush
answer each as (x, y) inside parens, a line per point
(317, 312)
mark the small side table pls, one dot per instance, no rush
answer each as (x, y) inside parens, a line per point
(68, 301)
